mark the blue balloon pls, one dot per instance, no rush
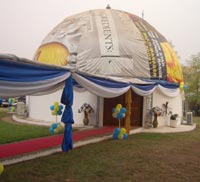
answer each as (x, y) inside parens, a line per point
(54, 125)
(123, 110)
(115, 137)
(125, 136)
(120, 115)
(51, 130)
(59, 112)
(52, 107)
(10, 101)
(60, 107)
(116, 131)
(184, 87)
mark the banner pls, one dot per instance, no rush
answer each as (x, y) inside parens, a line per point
(152, 40)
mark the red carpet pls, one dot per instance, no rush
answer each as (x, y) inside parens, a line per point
(17, 148)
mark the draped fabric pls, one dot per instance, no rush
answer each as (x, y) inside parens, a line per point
(67, 117)
(19, 77)
(100, 90)
(67, 142)
(169, 91)
(67, 100)
(109, 88)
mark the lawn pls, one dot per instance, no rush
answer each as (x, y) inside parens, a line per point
(142, 157)
(13, 131)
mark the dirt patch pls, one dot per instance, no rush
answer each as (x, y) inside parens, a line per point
(3, 109)
(8, 117)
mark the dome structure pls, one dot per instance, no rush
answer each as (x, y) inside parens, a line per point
(111, 44)
(113, 57)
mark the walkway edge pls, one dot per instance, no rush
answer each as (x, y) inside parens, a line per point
(24, 120)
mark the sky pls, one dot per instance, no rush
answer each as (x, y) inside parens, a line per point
(25, 23)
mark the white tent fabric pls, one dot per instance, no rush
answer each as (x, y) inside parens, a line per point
(99, 90)
(143, 92)
(169, 92)
(107, 92)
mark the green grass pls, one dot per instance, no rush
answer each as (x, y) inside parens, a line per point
(2, 114)
(142, 157)
(12, 132)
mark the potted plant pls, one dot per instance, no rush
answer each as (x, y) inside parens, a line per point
(86, 108)
(173, 120)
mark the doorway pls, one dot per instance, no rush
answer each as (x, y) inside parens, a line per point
(136, 110)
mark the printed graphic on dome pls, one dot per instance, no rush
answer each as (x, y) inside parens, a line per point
(52, 53)
(174, 71)
(111, 44)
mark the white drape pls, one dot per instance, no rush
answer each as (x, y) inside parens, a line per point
(107, 92)
(99, 90)
(169, 92)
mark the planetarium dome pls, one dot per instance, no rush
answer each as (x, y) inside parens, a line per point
(110, 44)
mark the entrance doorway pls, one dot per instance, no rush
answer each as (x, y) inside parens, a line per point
(136, 110)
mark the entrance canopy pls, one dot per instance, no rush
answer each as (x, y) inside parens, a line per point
(109, 88)
(19, 77)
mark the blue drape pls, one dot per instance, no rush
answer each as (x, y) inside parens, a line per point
(145, 87)
(19, 77)
(114, 84)
(27, 72)
(105, 82)
(67, 143)
(67, 117)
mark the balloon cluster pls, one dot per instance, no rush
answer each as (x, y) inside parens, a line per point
(1, 168)
(55, 128)
(119, 112)
(11, 109)
(182, 86)
(120, 134)
(10, 102)
(56, 109)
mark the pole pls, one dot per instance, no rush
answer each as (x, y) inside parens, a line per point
(128, 101)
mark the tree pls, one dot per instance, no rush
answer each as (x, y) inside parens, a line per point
(192, 80)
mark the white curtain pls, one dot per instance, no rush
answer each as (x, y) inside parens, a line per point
(169, 92)
(107, 92)
(99, 90)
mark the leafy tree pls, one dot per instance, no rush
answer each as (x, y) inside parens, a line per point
(192, 80)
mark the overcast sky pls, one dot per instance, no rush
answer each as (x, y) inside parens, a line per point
(25, 23)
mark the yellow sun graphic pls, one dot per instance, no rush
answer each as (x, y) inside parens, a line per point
(174, 71)
(52, 53)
